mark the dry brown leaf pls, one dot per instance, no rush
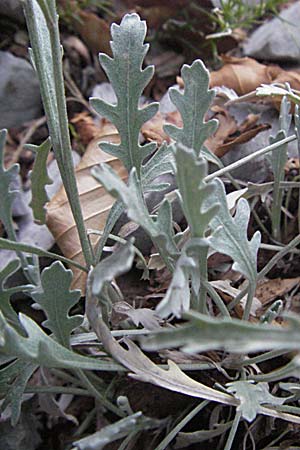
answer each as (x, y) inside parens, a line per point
(269, 290)
(94, 31)
(292, 165)
(227, 127)
(155, 16)
(85, 127)
(153, 129)
(94, 199)
(227, 135)
(243, 75)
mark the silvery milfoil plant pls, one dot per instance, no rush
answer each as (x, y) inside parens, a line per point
(216, 222)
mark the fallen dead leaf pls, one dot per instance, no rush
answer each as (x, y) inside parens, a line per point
(94, 199)
(228, 134)
(153, 129)
(243, 75)
(85, 127)
(269, 290)
(292, 165)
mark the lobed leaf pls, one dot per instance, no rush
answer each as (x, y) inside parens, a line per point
(158, 228)
(128, 79)
(230, 235)
(5, 294)
(204, 333)
(251, 397)
(7, 176)
(116, 264)
(161, 163)
(38, 348)
(14, 379)
(197, 197)
(177, 298)
(193, 105)
(39, 179)
(56, 299)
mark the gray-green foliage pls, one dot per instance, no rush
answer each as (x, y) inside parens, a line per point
(251, 397)
(230, 234)
(39, 180)
(128, 79)
(193, 104)
(214, 222)
(129, 425)
(203, 333)
(197, 197)
(56, 299)
(7, 177)
(278, 160)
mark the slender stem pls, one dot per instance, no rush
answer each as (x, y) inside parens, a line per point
(251, 293)
(65, 150)
(276, 258)
(53, 97)
(202, 305)
(57, 390)
(233, 430)
(217, 299)
(166, 441)
(11, 234)
(238, 298)
(250, 157)
(264, 357)
(98, 396)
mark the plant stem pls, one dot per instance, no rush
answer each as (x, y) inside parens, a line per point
(250, 296)
(248, 158)
(98, 396)
(54, 101)
(65, 152)
(166, 441)
(276, 258)
(233, 430)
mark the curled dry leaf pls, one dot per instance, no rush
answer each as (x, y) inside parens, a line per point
(228, 134)
(244, 75)
(269, 290)
(94, 199)
(85, 127)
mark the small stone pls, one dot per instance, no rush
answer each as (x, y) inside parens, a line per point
(20, 99)
(13, 10)
(279, 39)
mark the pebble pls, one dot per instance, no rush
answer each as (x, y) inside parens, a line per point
(277, 40)
(20, 99)
(13, 10)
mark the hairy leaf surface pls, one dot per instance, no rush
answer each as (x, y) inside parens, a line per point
(41, 349)
(197, 197)
(230, 235)
(204, 333)
(159, 228)
(56, 299)
(193, 105)
(7, 176)
(128, 79)
(251, 397)
(39, 180)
